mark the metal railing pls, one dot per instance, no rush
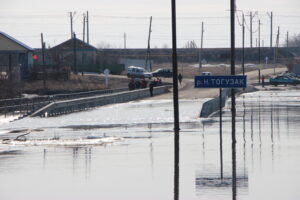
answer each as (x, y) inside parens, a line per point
(27, 105)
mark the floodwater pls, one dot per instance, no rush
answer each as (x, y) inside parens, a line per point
(126, 151)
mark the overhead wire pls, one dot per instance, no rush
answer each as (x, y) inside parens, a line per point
(182, 21)
(238, 19)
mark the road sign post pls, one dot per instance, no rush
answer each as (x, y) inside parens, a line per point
(236, 81)
(233, 81)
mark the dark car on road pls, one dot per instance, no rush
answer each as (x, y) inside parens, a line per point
(162, 73)
(284, 80)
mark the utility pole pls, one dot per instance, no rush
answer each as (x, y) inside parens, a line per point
(278, 34)
(71, 22)
(287, 39)
(148, 48)
(259, 53)
(277, 42)
(124, 40)
(83, 28)
(87, 27)
(271, 33)
(201, 50)
(243, 58)
(74, 54)
(251, 27)
(276, 48)
(287, 46)
(233, 110)
(175, 102)
(220, 133)
(251, 42)
(43, 60)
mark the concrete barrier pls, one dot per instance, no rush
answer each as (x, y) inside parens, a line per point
(75, 105)
(213, 105)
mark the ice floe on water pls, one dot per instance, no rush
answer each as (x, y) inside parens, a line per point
(62, 142)
(218, 182)
(9, 151)
(136, 112)
(7, 119)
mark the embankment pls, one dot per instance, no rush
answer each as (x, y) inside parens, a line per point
(75, 105)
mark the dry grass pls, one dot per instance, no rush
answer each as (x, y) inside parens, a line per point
(9, 89)
(79, 83)
(76, 83)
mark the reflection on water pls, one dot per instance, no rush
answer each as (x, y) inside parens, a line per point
(266, 114)
(208, 183)
(176, 175)
(141, 164)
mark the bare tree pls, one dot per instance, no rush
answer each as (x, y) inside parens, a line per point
(104, 45)
(165, 46)
(295, 41)
(190, 45)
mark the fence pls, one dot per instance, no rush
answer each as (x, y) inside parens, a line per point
(26, 106)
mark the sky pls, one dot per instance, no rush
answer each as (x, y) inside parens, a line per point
(110, 19)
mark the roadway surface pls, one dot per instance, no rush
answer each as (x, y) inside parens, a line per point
(187, 90)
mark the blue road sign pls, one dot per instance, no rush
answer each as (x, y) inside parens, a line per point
(221, 81)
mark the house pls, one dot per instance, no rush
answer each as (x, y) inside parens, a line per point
(15, 58)
(63, 54)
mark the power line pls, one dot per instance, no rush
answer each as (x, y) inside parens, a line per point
(112, 17)
(296, 16)
(162, 18)
(32, 16)
(37, 36)
(37, 16)
(238, 19)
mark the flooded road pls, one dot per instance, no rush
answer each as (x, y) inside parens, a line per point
(125, 151)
